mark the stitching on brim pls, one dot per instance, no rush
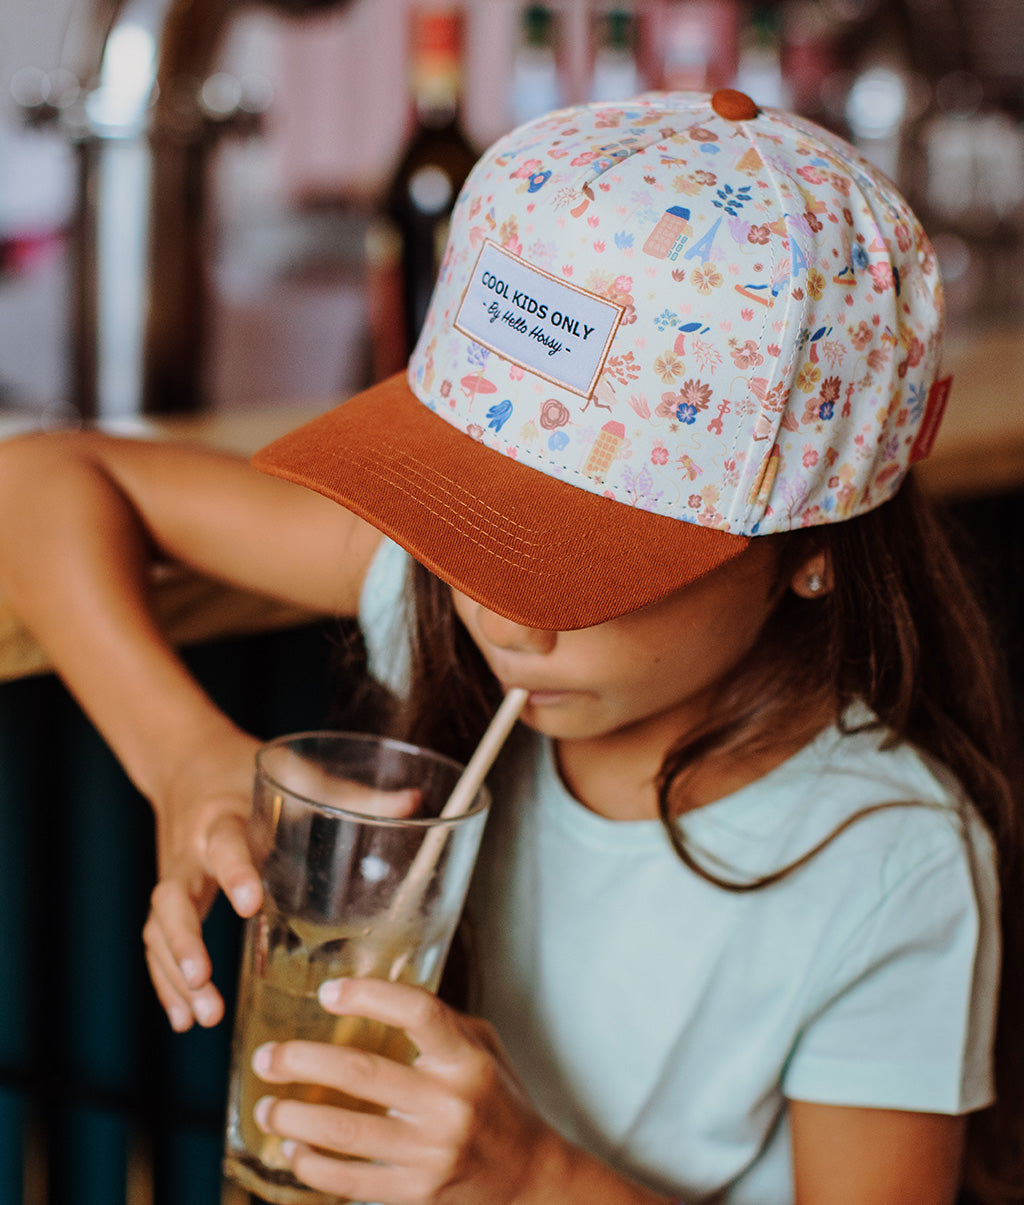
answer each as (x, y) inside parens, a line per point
(492, 546)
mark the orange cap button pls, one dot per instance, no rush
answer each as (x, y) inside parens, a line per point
(733, 105)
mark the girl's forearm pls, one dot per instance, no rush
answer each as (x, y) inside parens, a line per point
(566, 1175)
(75, 564)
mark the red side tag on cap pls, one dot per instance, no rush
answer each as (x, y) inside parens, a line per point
(934, 409)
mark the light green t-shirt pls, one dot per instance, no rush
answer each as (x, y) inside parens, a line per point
(663, 1023)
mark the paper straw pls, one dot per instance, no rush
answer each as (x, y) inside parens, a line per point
(471, 779)
(407, 898)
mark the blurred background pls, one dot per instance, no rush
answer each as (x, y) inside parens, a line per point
(293, 114)
(206, 208)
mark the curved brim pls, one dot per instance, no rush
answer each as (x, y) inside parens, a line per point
(528, 546)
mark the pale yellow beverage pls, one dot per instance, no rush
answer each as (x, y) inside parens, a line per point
(284, 964)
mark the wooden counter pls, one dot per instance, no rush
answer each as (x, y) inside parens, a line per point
(979, 450)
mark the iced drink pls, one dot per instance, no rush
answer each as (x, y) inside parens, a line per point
(337, 904)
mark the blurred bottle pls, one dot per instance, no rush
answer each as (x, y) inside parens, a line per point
(406, 243)
(615, 76)
(760, 64)
(536, 85)
(699, 44)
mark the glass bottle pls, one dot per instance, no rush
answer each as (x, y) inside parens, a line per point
(406, 245)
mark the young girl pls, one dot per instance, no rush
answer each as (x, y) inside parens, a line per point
(737, 918)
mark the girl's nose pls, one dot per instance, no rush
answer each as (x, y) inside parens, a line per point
(513, 637)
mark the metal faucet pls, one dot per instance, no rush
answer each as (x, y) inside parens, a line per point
(143, 123)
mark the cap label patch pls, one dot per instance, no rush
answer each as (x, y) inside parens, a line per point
(542, 323)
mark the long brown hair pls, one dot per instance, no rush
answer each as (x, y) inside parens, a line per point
(902, 630)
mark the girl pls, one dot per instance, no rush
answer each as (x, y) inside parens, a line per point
(737, 919)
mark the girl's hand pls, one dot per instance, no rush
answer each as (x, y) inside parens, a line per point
(201, 846)
(458, 1127)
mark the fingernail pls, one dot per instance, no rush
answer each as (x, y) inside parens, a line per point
(261, 1058)
(329, 992)
(262, 1112)
(245, 899)
(205, 1009)
(288, 1149)
(190, 970)
(180, 1019)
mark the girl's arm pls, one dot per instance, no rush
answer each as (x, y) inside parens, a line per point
(847, 1156)
(85, 516)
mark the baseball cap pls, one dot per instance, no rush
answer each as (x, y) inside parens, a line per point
(660, 329)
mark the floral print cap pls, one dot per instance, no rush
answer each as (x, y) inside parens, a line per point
(692, 306)
(660, 329)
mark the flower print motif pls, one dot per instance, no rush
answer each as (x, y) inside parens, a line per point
(499, 414)
(666, 319)
(745, 356)
(659, 453)
(903, 237)
(700, 134)
(815, 284)
(623, 368)
(687, 185)
(475, 431)
(666, 408)
(915, 352)
(695, 501)
(638, 404)
(669, 367)
(810, 173)
(808, 377)
(686, 413)
(732, 199)
(810, 457)
(825, 411)
(538, 180)
(553, 414)
(584, 158)
(841, 184)
(623, 240)
(759, 235)
(830, 389)
(859, 256)
(695, 394)
(812, 220)
(847, 216)
(558, 441)
(704, 177)
(882, 277)
(705, 278)
(878, 357)
(526, 169)
(862, 336)
(446, 388)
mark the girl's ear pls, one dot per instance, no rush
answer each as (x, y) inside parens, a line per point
(813, 579)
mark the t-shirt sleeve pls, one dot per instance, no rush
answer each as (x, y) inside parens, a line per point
(904, 1017)
(382, 616)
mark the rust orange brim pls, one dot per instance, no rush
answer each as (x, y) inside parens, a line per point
(526, 545)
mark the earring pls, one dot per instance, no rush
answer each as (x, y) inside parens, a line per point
(815, 583)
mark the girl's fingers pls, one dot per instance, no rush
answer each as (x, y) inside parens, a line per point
(359, 1073)
(227, 859)
(352, 1180)
(179, 926)
(359, 1135)
(175, 1005)
(180, 973)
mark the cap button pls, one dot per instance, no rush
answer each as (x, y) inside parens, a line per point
(733, 105)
